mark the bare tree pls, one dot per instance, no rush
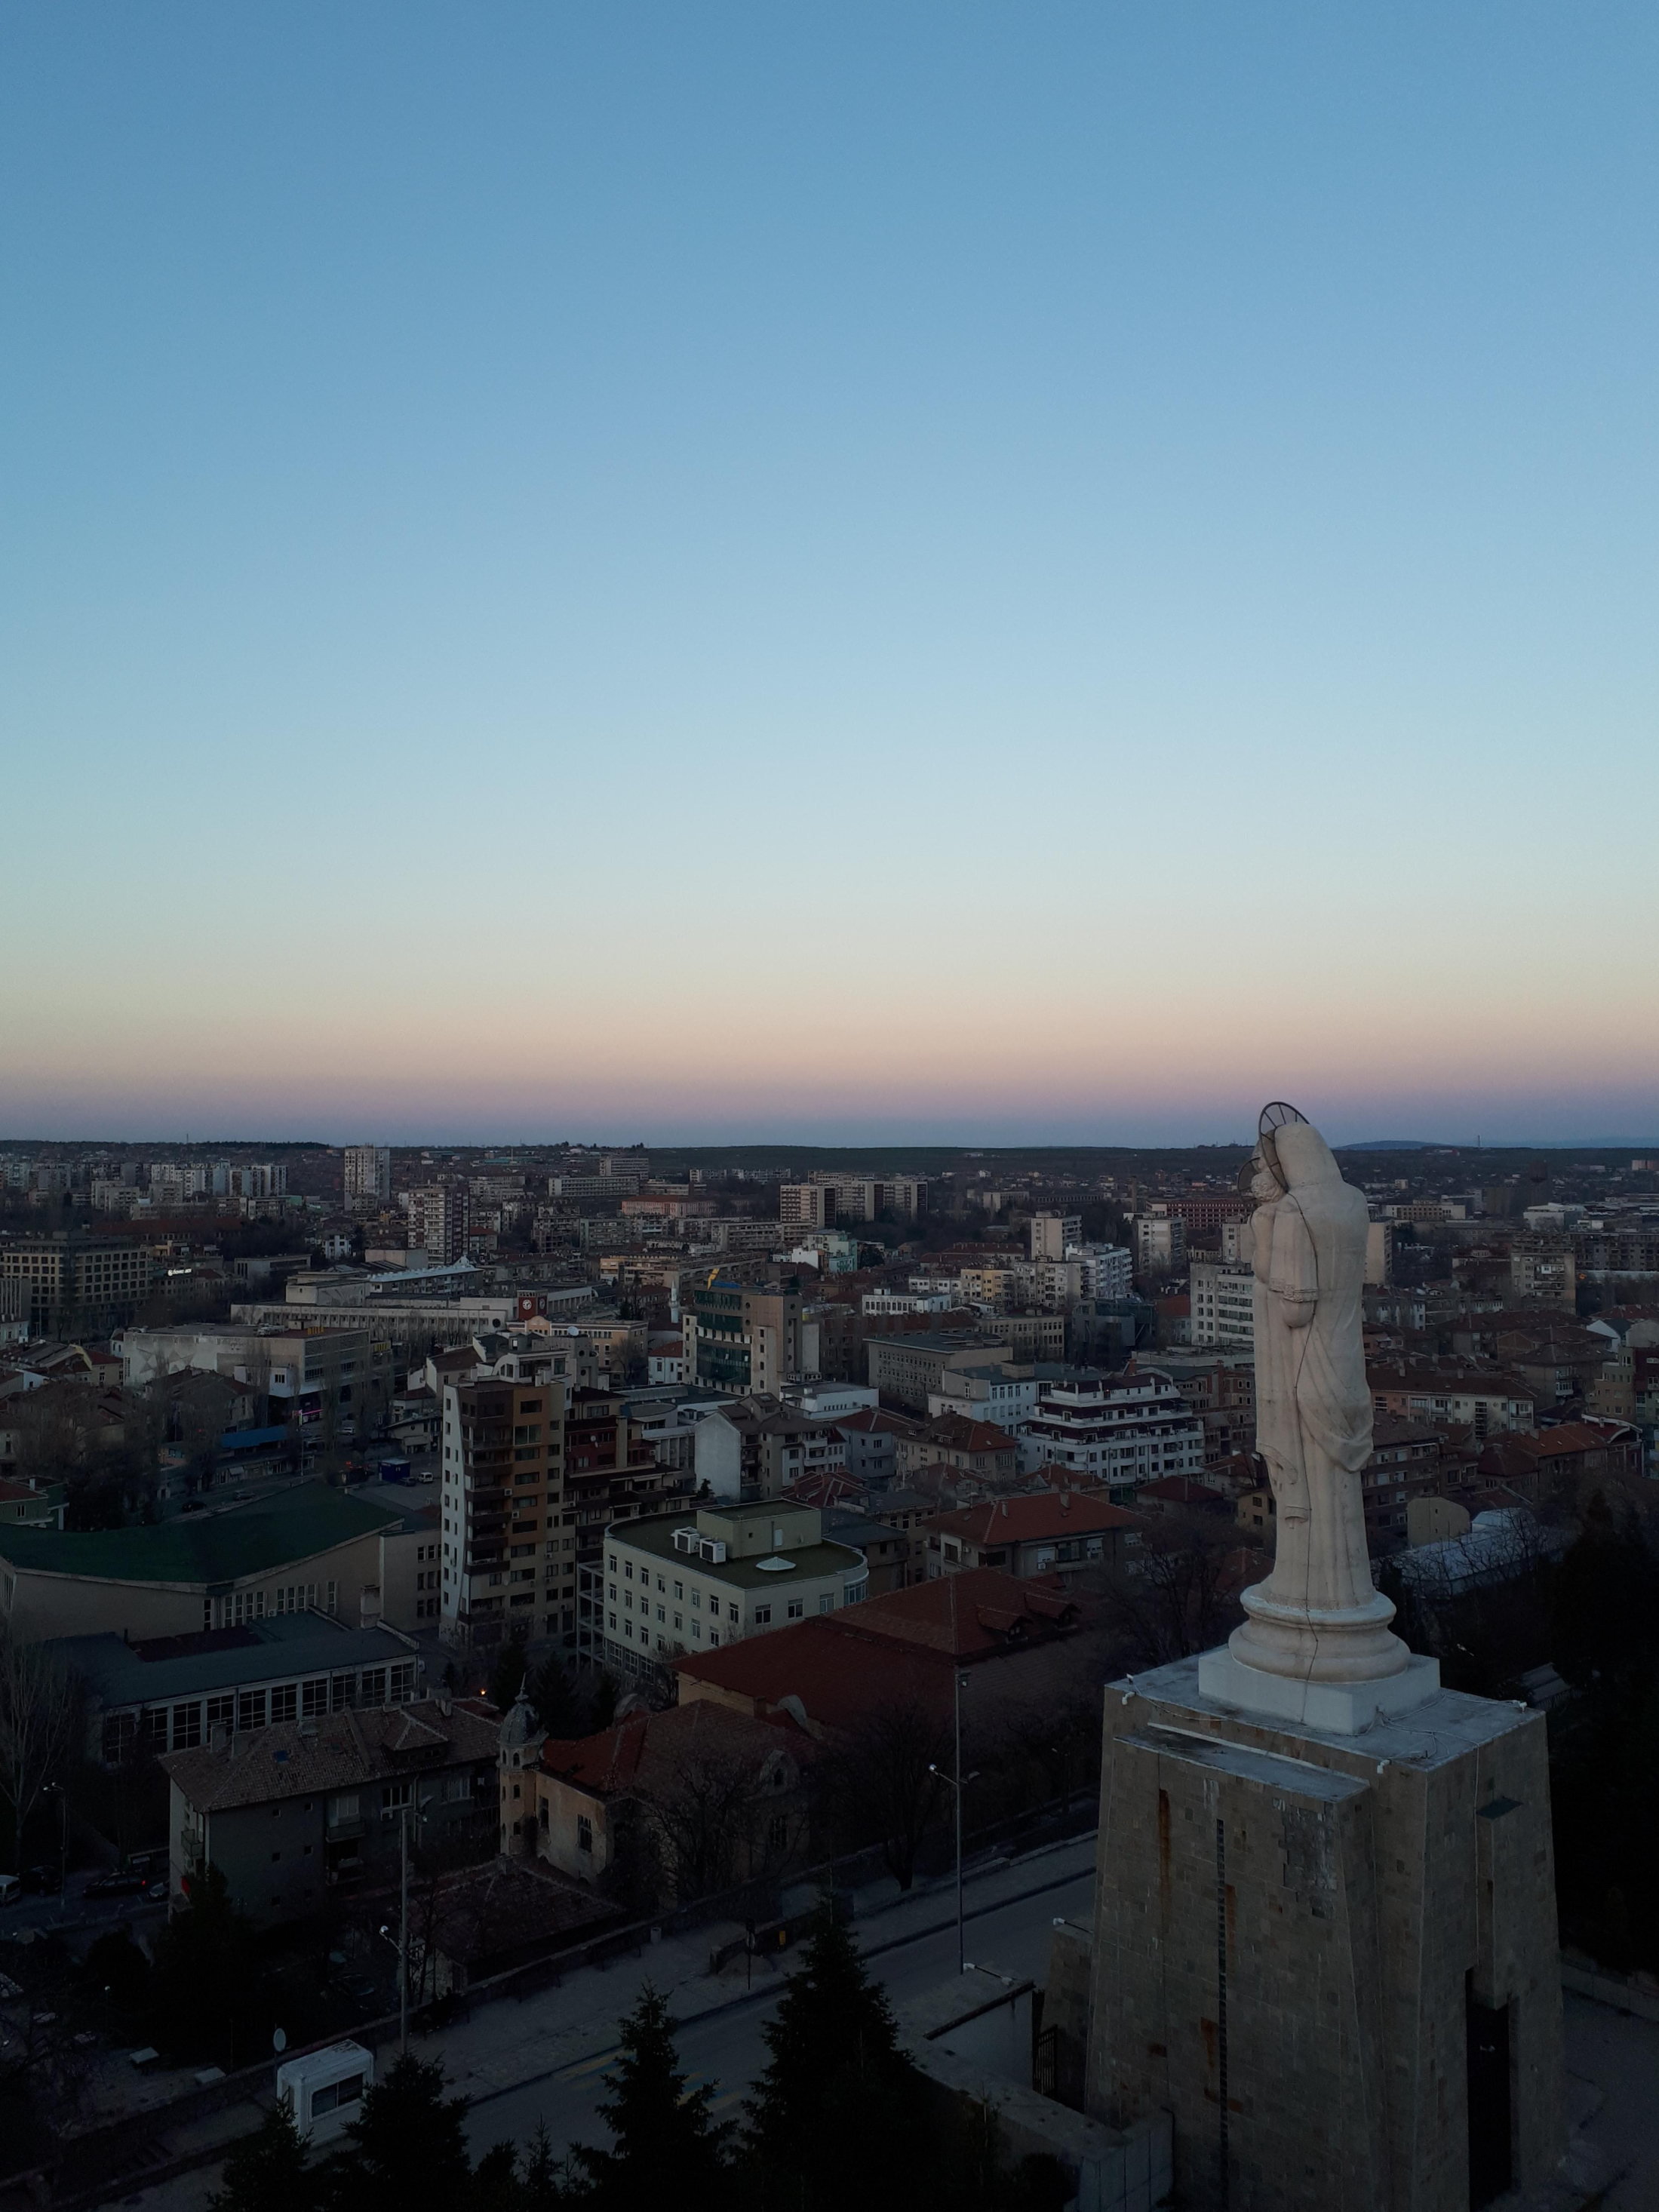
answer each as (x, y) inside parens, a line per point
(1175, 1595)
(883, 1772)
(702, 1821)
(41, 1719)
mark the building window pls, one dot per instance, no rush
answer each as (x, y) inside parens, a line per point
(395, 1797)
(762, 1614)
(120, 1734)
(251, 1710)
(186, 1727)
(797, 1607)
(313, 1697)
(284, 1701)
(584, 1833)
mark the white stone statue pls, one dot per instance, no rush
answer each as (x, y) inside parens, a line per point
(1317, 1645)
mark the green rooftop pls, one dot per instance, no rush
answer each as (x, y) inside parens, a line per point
(203, 1547)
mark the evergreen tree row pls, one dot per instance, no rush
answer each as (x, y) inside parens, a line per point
(839, 2112)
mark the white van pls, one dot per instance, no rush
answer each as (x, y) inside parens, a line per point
(324, 2090)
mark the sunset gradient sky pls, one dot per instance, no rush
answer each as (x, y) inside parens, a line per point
(844, 571)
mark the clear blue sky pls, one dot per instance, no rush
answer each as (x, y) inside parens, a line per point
(696, 569)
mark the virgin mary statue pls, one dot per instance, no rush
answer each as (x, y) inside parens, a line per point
(1317, 1618)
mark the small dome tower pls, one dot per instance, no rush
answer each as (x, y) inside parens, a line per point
(516, 1759)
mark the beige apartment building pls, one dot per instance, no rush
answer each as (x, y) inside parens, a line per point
(502, 1507)
(75, 1283)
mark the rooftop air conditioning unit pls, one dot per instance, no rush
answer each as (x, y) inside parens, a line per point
(711, 1548)
(685, 1540)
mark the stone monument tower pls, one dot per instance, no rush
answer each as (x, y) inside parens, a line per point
(1324, 1935)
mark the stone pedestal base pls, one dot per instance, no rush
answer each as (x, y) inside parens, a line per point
(1340, 1708)
(1329, 1952)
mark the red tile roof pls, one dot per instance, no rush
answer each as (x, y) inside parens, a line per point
(1034, 1517)
(889, 1650)
(959, 1432)
(648, 1748)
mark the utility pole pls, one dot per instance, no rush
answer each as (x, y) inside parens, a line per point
(955, 1702)
(958, 1781)
(403, 1940)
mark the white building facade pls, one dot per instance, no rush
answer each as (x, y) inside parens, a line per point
(1117, 1431)
(1223, 1305)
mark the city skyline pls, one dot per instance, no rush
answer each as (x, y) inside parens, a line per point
(860, 572)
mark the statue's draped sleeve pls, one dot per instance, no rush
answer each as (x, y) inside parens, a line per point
(1294, 1280)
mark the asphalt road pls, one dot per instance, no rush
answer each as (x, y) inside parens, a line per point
(726, 2049)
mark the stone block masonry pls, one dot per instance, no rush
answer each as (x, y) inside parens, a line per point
(1330, 1958)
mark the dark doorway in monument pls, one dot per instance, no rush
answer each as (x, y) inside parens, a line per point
(1491, 2167)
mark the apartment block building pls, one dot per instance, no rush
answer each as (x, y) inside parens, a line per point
(806, 1206)
(1542, 1269)
(1053, 1234)
(1219, 1386)
(367, 1170)
(1114, 1431)
(1033, 1336)
(1223, 1305)
(1484, 1400)
(741, 1340)
(1160, 1245)
(612, 1472)
(827, 1199)
(906, 1369)
(1107, 1270)
(503, 1508)
(438, 1220)
(77, 1284)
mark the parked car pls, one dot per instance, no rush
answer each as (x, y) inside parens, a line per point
(42, 1881)
(117, 1885)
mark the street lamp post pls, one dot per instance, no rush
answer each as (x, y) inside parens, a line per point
(403, 1940)
(959, 1782)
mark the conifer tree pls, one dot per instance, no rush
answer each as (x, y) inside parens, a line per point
(837, 2088)
(409, 2149)
(266, 2171)
(667, 2147)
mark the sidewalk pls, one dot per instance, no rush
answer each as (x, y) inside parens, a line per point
(513, 2043)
